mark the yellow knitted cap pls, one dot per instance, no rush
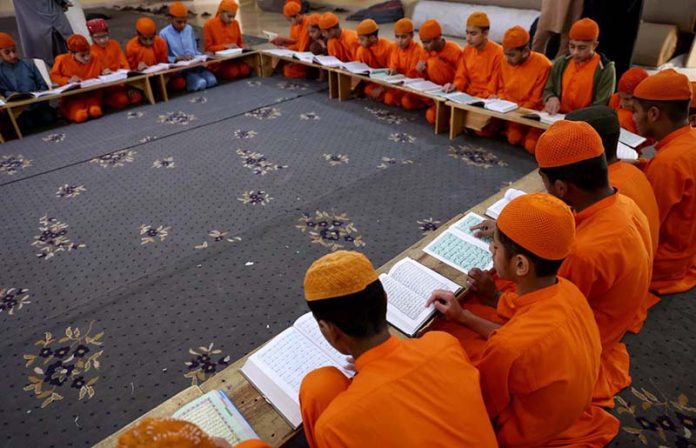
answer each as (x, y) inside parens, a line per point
(338, 274)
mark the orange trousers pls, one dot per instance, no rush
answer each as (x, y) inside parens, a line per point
(230, 70)
(79, 108)
(118, 97)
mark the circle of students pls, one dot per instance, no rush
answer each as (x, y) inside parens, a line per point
(534, 355)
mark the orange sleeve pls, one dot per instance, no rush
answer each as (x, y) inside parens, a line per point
(492, 87)
(535, 101)
(132, 53)
(461, 77)
(58, 72)
(209, 37)
(668, 185)
(122, 61)
(394, 60)
(495, 366)
(419, 55)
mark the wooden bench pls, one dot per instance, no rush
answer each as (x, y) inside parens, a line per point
(265, 420)
(141, 81)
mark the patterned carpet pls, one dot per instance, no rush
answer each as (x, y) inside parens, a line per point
(147, 250)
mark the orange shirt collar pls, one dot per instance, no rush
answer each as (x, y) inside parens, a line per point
(596, 207)
(675, 134)
(379, 352)
(536, 296)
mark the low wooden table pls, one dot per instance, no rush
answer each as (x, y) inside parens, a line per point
(265, 420)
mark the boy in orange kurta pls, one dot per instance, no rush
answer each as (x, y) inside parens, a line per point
(109, 52)
(404, 59)
(523, 74)
(550, 347)
(661, 108)
(612, 257)
(629, 180)
(222, 32)
(375, 52)
(76, 66)
(340, 43)
(583, 78)
(405, 392)
(622, 100)
(479, 65)
(439, 67)
(299, 39)
(147, 49)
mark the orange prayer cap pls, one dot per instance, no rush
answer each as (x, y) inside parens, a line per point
(6, 41)
(666, 85)
(584, 29)
(178, 9)
(540, 223)
(146, 26)
(430, 29)
(291, 9)
(630, 79)
(313, 19)
(515, 37)
(328, 20)
(567, 142)
(403, 26)
(78, 43)
(338, 274)
(478, 19)
(165, 433)
(229, 6)
(367, 26)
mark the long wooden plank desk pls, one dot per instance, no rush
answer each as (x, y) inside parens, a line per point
(140, 81)
(265, 420)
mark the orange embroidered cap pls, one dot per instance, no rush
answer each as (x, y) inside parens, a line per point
(478, 19)
(540, 223)
(367, 26)
(78, 43)
(165, 433)
(584, 29)
(430, 29)
(630, 80)
(515, 37)
(6, 41)
(403, 26)
(338, 274)
(665, 85)
(291, 9)
(567, 142)
(178, 9)
(328, 20)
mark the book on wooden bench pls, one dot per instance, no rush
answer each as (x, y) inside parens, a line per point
(625, 152)
(424, 86)
(460, 250)
(215, 414)
(544, 117)
(328, 61)
(229, 52)
(408, 286)
(277, 368)
(494, 210)
(389, 79)
(20, 96)
(304, 56)
(360, 68)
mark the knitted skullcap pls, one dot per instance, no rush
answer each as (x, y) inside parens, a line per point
(541, 224)
(584, 29)
(666, 85)
(567, 142)
(338, 274)
(430, 29)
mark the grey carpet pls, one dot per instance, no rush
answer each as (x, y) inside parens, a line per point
(229, 272)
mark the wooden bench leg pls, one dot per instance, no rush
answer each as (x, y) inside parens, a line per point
(13, 119)
(344, 87)
(333, 84)
(144, 85)
(441, 121)
(457, 119)
(163, 87)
